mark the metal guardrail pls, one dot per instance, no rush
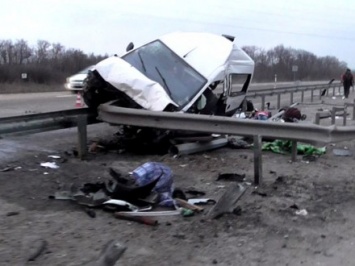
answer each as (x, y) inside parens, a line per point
(227, 125)
(323, 89)
(35, 123)
(298, 87)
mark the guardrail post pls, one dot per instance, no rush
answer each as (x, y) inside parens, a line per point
(257, 160)
(262, 102)
(302, 96)
(344, 116)
(317, 120)
(334, 91)
(82, 136)
(312, 94)
(294, 151)
(333, 115)
(291, 98)
(320, 94)
(278, 100)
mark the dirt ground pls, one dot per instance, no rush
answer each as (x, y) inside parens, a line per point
(267, 232)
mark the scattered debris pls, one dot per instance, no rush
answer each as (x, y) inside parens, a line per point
(195, 192)
(231, 177)
(90, 212)
(280, 179)
(260, 193)
(238, 143)
(195, 147)
(36, 249)
(110, 254)
(226, 203)
(7, 169)
(179, 236)
(342, 152)
(188, 205)
(152, 213)
(91, 199)
(51, 165)
(142, 220)
(12, 213)
(309, 158)
(187, 212)
(121, 205)
(54, 156)
(237, 211)
(284, 147)
(179, 194)
(302, 212)
(201, 201)
(294, 206)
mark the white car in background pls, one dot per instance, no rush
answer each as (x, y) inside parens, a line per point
(75, 82)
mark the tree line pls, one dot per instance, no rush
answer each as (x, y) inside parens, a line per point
(281, 61)
(48, 62)
(44, 63)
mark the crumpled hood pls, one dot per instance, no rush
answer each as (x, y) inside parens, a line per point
(126, 78)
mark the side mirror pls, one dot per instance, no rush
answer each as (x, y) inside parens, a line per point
(129, 47)
(229, 37)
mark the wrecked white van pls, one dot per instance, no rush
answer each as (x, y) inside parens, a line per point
(181, 72)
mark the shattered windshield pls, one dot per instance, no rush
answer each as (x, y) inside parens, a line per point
(159, 63)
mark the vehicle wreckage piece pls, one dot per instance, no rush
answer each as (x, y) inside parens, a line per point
(227, 201)
(195, 147)
(177, 72)
(142, 220)
(117, 205)
(110, 254)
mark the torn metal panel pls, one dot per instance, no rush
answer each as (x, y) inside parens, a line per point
(195, 147)
(146, 92)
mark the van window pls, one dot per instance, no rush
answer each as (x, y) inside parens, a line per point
(238, 84)
(156, 61)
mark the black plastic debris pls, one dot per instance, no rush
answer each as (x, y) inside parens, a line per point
(309, 158)
(90, 212)
(294, 206)
(231, 177)
(260, 193)
(194, 192)
(12, 213)
(280, 179)
(236, 143)
(178, 193)
(237, 211)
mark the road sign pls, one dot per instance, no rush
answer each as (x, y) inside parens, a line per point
(294, 68)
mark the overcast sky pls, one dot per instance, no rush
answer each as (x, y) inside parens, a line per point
(323, 27)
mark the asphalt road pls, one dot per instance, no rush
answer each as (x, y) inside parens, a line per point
(29, 103)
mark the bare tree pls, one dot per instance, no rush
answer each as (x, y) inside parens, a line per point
(42, 51)
(21, 51)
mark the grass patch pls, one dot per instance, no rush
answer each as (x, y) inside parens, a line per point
(27, 87)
